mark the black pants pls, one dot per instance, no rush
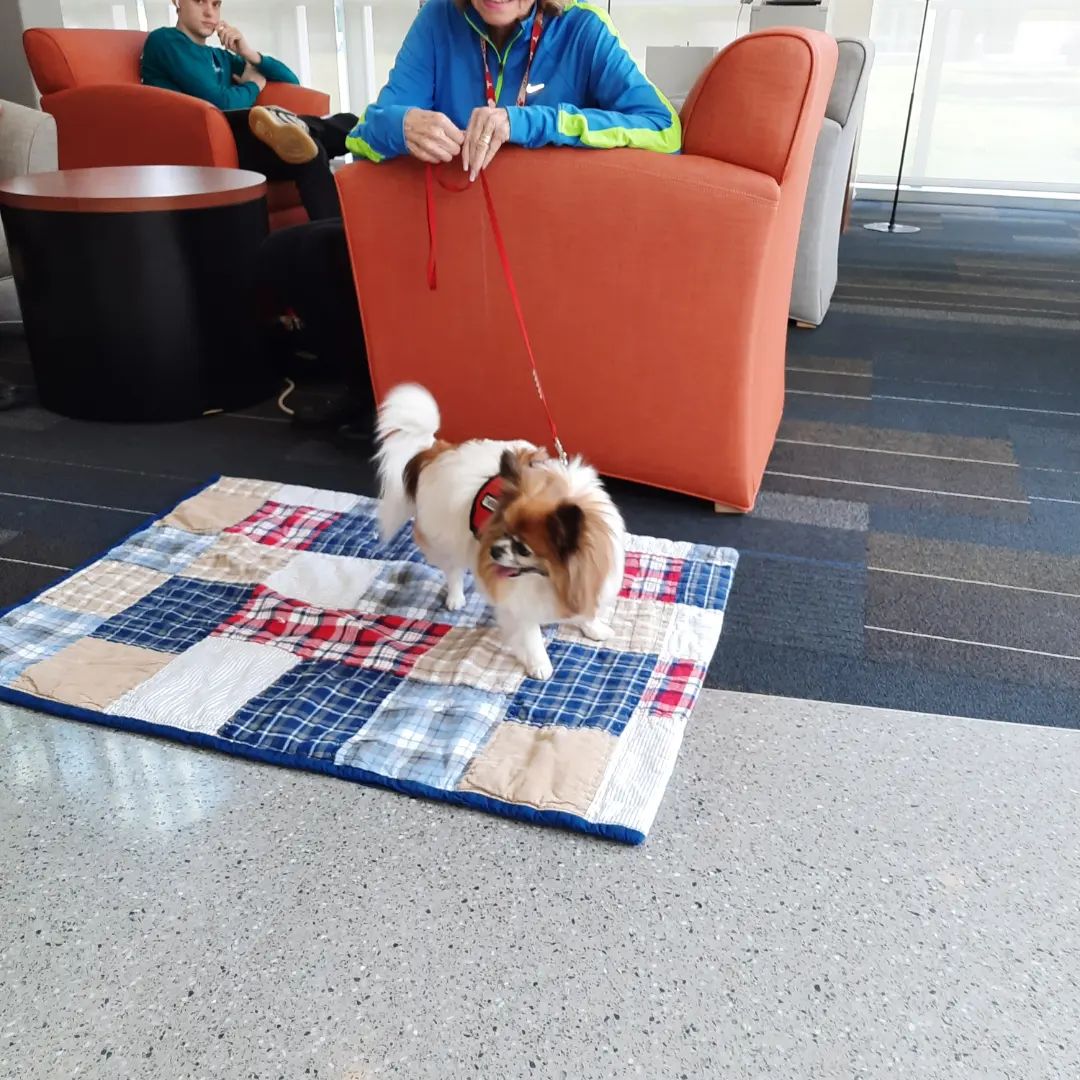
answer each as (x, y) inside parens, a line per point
(306, 268)
(313, 179)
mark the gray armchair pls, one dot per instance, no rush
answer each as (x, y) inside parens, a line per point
(27, 145)
(819, 240)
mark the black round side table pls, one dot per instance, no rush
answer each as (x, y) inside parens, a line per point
(137, 288)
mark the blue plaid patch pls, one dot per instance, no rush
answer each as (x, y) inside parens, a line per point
(705, 584)
(596, 688)
(35, 632)
(426, 733)
(176, 615)
(356, 534)
(418, 591)
(311, 711)
(163, 548)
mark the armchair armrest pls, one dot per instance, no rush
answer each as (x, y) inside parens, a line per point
(138, 125)
(297, 99)
(747, 106)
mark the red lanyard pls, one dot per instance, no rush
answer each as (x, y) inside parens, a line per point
(534, 39)
(504, 258)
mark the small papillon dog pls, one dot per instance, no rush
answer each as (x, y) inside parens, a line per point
(542, 539)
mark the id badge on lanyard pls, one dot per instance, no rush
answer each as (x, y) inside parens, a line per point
(534, 39)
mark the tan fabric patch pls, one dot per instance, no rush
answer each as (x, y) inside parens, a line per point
(91, 674)
(106, 588)
(234, 558)
(470, 656)
(640, 626)
(213, 511)
(547, 768)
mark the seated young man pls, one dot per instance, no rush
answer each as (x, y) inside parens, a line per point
(274, 142)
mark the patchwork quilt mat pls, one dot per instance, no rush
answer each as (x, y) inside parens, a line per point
(269, 621)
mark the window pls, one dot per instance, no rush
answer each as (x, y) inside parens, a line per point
(998, 104)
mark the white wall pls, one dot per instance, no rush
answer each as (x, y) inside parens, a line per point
(15, 16)
(850, 18)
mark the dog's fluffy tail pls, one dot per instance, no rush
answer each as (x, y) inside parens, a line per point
(407, 424)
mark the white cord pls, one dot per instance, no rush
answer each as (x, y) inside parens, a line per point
(290, 386)
(739, 19)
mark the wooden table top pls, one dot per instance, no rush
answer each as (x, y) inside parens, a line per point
(132, 189)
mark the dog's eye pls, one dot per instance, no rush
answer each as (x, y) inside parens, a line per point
(520, 549)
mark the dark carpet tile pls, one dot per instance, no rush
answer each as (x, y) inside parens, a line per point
(762, 668)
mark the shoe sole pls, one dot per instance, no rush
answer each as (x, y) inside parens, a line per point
(291, 143)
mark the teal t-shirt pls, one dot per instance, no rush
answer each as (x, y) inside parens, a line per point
(172, 61)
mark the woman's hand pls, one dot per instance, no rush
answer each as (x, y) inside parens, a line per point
(488, 131)
(432, 136)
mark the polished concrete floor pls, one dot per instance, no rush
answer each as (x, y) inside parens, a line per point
(828, 892)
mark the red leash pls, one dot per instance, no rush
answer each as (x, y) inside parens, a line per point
(433, 280)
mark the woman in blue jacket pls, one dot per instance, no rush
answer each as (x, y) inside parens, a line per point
(472, 76)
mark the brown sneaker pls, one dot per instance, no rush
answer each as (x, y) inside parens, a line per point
(284, 132)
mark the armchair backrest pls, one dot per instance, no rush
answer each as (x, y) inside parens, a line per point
(63, 59)
(750, 105)
(852, 76)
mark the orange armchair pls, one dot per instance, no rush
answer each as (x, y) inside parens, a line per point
(89, 81)
(656, 289)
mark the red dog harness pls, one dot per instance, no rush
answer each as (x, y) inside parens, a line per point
(485, 504)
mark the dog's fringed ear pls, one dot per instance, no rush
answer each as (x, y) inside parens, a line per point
(564, 525)
(510, 467)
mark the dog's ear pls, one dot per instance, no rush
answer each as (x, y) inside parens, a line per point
(564, 526)
(514, 462)
(510, 467)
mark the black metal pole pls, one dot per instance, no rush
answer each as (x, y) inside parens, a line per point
(890, 225)
(911, 109)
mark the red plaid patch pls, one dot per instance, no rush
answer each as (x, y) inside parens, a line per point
(285, 526)
(673, 688)
(651, 577)
(378, 642)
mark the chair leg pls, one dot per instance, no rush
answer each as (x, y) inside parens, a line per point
(805, 325)
(723, 508)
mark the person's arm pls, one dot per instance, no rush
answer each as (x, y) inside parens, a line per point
(275, 70)
(241, 53)
(172, 63)
(632, 111)
(381, 131)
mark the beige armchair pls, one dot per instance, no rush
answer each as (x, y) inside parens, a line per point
(27, 145)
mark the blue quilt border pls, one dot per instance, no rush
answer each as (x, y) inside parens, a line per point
(557, 818)
(554, 818)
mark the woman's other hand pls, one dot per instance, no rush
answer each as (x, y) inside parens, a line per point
(488, 132)
(432, 136)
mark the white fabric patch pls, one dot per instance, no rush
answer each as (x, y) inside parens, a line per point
(652, 545)
(326, 581)
(638, 772)
(694, 635)
(205, 686)
(298, 495)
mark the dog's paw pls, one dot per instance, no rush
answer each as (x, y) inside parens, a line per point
(595, 630)
(455, 599)
(539, 668)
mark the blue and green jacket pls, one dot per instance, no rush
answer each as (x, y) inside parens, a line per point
(171, 60)
(588, 90)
